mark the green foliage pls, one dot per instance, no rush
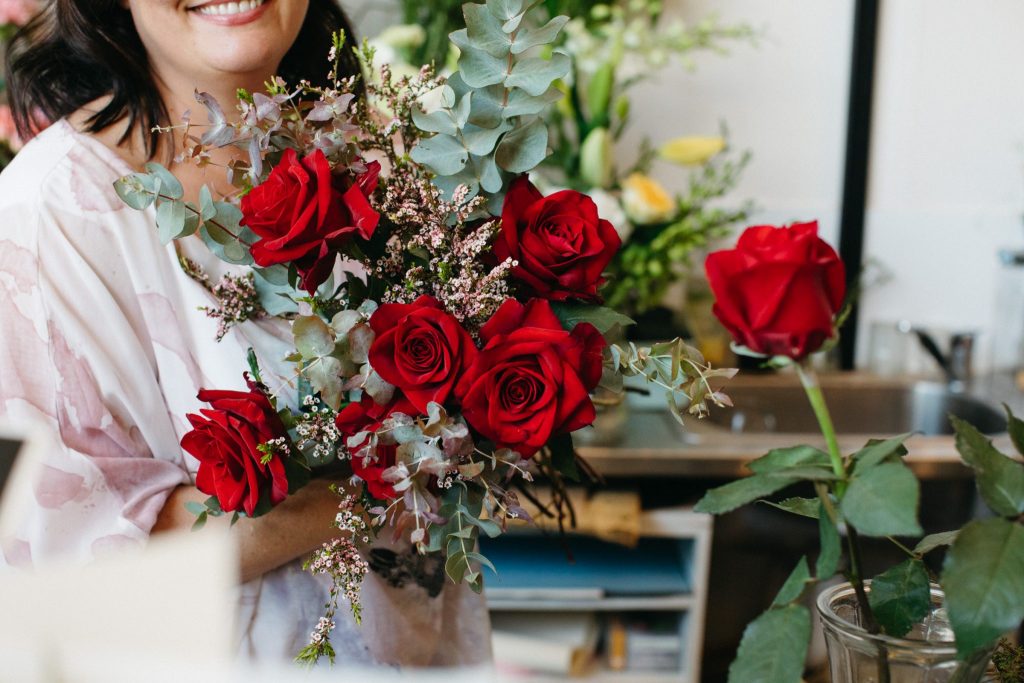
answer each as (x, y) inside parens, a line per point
(489, 128)
(462, 509)
(655, 256)
(601, 317)
(795, 584)
(774, 647)
(805, 507)
(742, 491)
(1000, 479)
(878, 450)
(784, 458)
(983, 578)
(675, 366)
(1015, 426)
(1009, 662)
(218, 223)
(901, 597)
(882, 500)
(933, 541)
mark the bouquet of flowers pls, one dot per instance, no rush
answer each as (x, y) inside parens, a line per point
(446, 370)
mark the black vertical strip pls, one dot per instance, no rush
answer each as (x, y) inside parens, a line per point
(855, 173)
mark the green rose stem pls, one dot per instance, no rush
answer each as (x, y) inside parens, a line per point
(809, 380)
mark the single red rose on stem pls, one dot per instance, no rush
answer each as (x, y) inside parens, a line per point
(304, 214)
(532, 380)
(366, 416)
(421, 349)
(561, 244)
(225, 439)
(779, 291)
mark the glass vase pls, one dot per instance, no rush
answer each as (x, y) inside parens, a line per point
(925, 655)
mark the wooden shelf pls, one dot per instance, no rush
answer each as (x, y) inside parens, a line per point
(652, 603)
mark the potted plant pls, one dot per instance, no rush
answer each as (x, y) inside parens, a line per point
(780, 293)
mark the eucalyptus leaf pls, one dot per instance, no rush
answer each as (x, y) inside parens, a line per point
(477, 68)
(224, 245)
(901, 597)
(521, 103)
(774, 647)
(522, 149)
(313, 337)
(883, 501)
(543, 35)
(437, 121)
(601, 317)
(443, 154)
(505, 9)
(170, 187)
(1000, 479)
(484, 30)
(535, 74)
(983, 579)
(481, 141)
(170, 220)
(324, 375)
(133, 193)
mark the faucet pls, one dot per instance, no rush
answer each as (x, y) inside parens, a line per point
(956, 364)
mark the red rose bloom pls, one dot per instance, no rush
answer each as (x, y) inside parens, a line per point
(366, 416)
(225, 438)
(532, 380)
(304, 215)
(779, 290)
(560, 242)
(421, 349)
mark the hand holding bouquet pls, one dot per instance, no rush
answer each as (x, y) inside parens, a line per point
(445, 370)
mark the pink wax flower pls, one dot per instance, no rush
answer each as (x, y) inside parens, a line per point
(17, 12)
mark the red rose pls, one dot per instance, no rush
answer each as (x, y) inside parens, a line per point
(779, 290)
(225, 438)
(366, 416)
(304, 215)
(421, 349)
(532, 380)
(561, 244)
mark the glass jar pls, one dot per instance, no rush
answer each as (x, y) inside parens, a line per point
(925, 655)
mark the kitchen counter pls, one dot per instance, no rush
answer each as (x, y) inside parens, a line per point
(650, 443)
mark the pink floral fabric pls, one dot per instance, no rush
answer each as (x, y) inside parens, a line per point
(102, 343)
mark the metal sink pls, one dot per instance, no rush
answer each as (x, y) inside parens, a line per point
(858, 406)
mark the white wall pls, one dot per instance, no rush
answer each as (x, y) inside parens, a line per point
(946, 188)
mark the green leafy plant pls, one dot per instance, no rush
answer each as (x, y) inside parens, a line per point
(873, 493)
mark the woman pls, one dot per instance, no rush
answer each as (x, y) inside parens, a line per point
(103, 337)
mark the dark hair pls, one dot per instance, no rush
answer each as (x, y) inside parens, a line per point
(75, 51)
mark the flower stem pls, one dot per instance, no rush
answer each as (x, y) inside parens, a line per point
(811, 387)
(855, 574)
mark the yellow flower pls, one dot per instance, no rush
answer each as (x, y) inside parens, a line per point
(646, 201)
(692, 150)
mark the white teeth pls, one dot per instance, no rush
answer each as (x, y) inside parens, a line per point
(229, 8)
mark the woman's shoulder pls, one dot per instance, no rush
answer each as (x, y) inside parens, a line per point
(62, 170)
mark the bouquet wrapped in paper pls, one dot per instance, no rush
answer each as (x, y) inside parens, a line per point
(441, 370)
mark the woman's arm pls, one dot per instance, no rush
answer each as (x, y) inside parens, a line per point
(293, 529)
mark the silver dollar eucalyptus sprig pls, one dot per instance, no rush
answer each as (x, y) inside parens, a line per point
(489, 125)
